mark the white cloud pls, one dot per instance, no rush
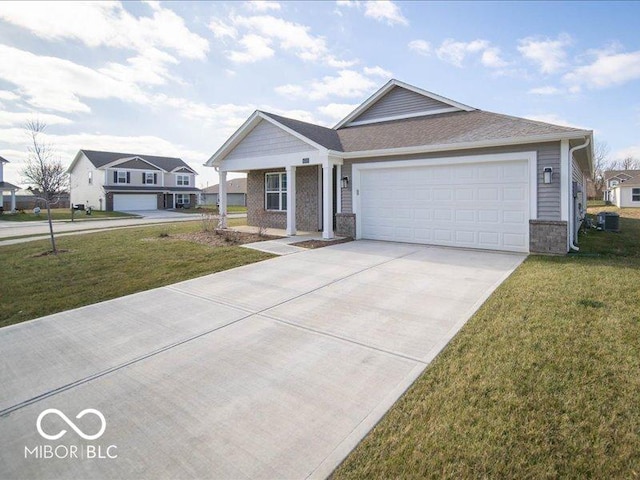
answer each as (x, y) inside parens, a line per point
(555, 120)
(333, 62)
(455, 52)
(549, 54)
(337, 111)
(377, 71)
(347, 84)
(630, 151)
(221, 29)
(254, 48)
(385, 11)
(263, 5)
(147, 68)
(106, 24)
(18, 119)
(421, 47)
(547, 90)
(7, 95)
(348, 3)
(608, 69)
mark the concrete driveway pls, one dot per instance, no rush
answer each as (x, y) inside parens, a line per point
(272, 370)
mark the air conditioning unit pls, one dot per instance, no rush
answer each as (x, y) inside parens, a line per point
(609, 221)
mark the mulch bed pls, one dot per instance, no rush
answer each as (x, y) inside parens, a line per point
(321, 243)
(223, 238)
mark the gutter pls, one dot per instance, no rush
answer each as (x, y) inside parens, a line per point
(572, 244)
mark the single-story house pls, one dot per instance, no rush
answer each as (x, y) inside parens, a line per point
(622, 187)
(236, 193)
(128, 181)
(409, 165)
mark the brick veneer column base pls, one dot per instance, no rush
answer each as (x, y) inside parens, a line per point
(548, 236)
(346, 225)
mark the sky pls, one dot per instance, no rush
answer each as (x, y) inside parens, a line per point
(178, 78)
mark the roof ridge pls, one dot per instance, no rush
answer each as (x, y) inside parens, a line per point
(537, 122)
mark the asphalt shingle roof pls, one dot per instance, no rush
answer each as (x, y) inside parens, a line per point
(102, 158)
(235, 185)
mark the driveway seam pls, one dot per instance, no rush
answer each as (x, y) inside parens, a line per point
(7, 411)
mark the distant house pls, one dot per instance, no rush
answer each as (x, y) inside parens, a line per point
(6, 187)
(127, 181)
(622, 187)
(236, 193)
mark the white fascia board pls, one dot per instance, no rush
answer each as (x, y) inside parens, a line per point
(397, 83)
(117, 162)
(234, 139)
(273, 161)
(457, 146)
(184, 166)
(402, 117)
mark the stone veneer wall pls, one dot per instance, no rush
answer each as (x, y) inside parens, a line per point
(307, 202)
(346, 225)
(548, 236)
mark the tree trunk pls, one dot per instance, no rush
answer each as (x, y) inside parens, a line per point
(53, 240)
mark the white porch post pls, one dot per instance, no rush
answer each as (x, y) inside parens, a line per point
(327, 201)
(13, 200)
(291, 200)
(222, 198)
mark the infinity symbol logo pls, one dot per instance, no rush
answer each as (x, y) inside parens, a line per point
(71, 424)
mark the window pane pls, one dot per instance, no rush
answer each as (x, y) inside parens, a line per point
(273, 201)
(273, 182)
(284, 201)
(284, 181)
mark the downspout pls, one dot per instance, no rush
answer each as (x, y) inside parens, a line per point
(572, 201)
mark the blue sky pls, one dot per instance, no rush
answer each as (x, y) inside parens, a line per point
(177, 78)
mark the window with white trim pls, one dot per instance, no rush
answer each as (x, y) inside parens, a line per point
(182, 198)
(90, 179)
(614, 183)
(149, 178)
(635, 194)
(275, 191)
(121, 177)
(182, 180)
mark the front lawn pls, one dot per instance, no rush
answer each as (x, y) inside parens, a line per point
(59, 214)
(101, 266)
(212, 209)
(542, 382)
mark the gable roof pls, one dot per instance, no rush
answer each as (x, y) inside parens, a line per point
(235, 185)
(3, 160)
(390, 87)
(100, 159)
(327, 137)
(609, 174)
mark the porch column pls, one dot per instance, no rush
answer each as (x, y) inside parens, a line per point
(327, 201)
(291, 200)
(13, 200)
(222, 198)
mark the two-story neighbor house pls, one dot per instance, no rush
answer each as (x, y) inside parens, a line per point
(126, 181)
(411, 166)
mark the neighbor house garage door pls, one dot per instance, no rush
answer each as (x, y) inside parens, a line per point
(477, 205)
(124, 202)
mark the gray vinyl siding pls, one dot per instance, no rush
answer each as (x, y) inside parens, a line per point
(400, 101)
(267, 139)
(577, 172)
(548, 156)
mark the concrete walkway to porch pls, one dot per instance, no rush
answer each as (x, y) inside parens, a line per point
(279, 246)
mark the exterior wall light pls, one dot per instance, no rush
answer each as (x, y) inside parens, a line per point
(548, 174)
(345, 182)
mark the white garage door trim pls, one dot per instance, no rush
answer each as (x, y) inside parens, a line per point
(529, 157)
(128, 201)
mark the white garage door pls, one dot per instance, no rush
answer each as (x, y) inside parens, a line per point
(124, 202)
(479, 205)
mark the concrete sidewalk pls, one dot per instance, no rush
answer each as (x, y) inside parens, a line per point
(272, 370)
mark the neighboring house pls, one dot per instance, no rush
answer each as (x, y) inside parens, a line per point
(29, 198)
(622, 187)
(236, 193)
(411, 166)
(7, 187)
(126, 181)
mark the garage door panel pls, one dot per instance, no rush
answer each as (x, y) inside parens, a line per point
(482, 206)
(124, 201)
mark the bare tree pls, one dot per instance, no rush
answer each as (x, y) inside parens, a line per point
(600, 165)
(43, 171)
(629, 163)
